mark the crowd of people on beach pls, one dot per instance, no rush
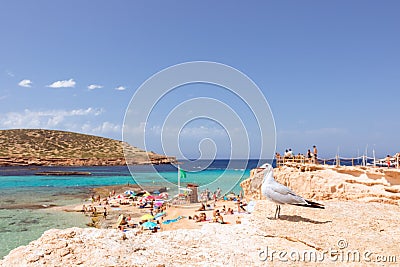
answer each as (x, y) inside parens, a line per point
(150, 204)
(97, 201)
(101, 206)
(217, 214)
(207, 195)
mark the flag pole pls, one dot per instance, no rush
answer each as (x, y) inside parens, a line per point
(179, 180)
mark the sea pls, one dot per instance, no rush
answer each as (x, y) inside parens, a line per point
(26, 199)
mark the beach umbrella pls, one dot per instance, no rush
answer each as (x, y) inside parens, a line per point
(163, 195)
(149, 225)
(142, 193)
(150, 197)
(147, 217)
(158, 204)
(129, 192)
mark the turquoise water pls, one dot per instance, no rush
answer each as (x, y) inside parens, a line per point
(25, 211)
(20, 226)
(226, 180)
(25, 198)
(71, 185)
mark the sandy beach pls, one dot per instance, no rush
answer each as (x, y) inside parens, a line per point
(186, 212)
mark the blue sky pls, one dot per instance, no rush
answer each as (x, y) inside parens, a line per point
(330, 70)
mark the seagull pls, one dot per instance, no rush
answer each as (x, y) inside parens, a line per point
(280, 194)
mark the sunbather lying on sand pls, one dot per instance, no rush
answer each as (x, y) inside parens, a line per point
(201, 218)
(202, 208)
(229, 211)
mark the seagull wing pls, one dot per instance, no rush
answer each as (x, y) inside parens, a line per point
(281, 194)
(280, 188)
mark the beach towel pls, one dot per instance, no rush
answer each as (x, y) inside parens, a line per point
(158, 215)
(172, 220)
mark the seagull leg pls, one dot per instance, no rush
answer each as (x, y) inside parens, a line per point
(277, 211)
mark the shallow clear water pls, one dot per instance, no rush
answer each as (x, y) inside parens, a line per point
(23, 216)
(20, 226)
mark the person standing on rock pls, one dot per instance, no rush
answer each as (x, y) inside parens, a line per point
(315, 151)
(309, 156)
(388, 161)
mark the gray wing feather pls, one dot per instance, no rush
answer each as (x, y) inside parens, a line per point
(283, 195)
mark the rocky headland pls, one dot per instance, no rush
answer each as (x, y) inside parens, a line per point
(38, 147)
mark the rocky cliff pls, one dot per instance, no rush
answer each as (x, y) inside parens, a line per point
(321, 182)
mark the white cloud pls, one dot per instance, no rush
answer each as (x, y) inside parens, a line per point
(85, 121)
(63, 84)
(25, 83)
(48, 119)
(94, 86)
(102, 129)
(120, 88)
(84, 112)
(9, 73)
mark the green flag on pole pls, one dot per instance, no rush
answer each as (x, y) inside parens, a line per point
(182, 173)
